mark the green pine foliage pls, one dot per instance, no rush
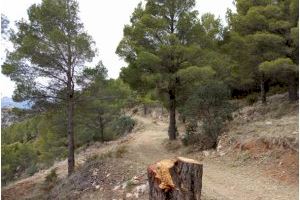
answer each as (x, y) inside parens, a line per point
(16, 158)
(192, 65)
(210, 105)
(267, 31)
(43, 137)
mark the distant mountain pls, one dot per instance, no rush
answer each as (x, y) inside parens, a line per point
(7, 102)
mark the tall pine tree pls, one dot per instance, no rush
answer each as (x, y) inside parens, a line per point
(49, 54)
(162, 39)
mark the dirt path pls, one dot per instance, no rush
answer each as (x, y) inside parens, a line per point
(146, 146)
(220, 181)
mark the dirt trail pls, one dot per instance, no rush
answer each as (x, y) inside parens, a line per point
(220, 181)
(146, 146)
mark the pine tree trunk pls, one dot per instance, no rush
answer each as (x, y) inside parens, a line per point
(172, 120)
(183, 119)
(71, 160)
(101, 128)
(178, 179)
(145, 109)
(293, 90)
(263, 90)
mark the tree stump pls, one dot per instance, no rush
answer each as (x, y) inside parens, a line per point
(175, 179)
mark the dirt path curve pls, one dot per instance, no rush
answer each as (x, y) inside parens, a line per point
(219, 180)
(147, 145)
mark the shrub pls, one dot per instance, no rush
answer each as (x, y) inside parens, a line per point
(123, 125)
(16, 159)
(277, 90)
(190, 137)
(210, 105)
(32, 170)
(201, 139)
(252, 98)
(121, 151)
(50, 180)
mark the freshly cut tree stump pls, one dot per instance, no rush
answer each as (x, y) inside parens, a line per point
(175, 179)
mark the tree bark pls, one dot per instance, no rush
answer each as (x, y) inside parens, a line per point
(293, 89)
(70, 127)
(101, 128)
(172, 112)
(263, 90)
(145, 109)
(178, 179)
(71, 160)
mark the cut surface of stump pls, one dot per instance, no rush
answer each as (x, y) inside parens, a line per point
(175, 179)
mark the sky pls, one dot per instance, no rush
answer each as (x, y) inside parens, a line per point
(104, 21)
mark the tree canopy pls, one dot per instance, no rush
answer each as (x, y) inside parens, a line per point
(162, 47)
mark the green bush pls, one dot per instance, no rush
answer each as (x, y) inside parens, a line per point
(51, 177)
(23, 131)
(16, 159)
(252, 98)
(190, 136)
(277, 90)
(50, 180)
(32, 170)
(210, 105)
(123, 125)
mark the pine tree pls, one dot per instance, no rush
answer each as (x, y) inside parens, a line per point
(50, 51)
(263, 30)
(162, 39)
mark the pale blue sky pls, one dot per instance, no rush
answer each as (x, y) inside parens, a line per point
(104, 21)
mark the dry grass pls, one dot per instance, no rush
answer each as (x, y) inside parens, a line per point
(172, 145)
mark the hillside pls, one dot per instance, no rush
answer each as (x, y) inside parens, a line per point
(175, 80)
(257, 158)
(7, 102)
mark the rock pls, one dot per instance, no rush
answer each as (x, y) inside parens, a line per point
(95, 173)
(141, 189)
(222, 154)
(206, 153)
(128, 195)
(219, 147)
(124, 185)
(97, 187)
(268, 123)
(108, 175)
(116, 187)
(135, 182)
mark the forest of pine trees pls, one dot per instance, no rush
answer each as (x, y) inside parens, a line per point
(192, 65)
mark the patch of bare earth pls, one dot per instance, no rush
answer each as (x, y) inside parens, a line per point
(268, 136)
